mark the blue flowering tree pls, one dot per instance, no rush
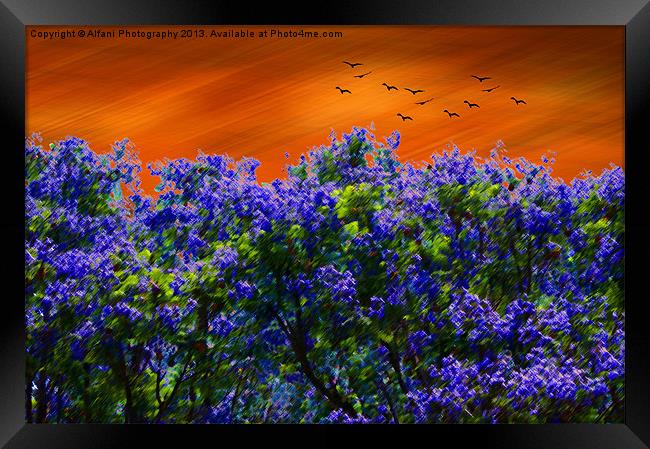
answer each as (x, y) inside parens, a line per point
(357, 289)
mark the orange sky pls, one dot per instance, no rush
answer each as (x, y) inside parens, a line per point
(263, 97)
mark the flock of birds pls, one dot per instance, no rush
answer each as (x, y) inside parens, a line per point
(469, 104)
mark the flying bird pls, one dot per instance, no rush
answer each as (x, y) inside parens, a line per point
(361, 76)
(404, 117)
(423, 102)
(413, 91)
(343, 90)
(389, 87)
(518, 101)
(471, 105)
(490, 89)
(352, 64)
(481, 78)
(451, 114)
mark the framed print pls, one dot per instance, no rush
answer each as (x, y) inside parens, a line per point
(363, 223)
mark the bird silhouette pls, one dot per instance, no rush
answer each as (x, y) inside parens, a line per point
(343, 90)
(361, 76)
(490, 89)
(451, 114)
(471, 105)
(481, 78)
(413, 91)
(518, 101)
(404, 117)
(389, 87)
(352, 64)
(423, 102)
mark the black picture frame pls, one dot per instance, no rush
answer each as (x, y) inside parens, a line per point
(634, 15)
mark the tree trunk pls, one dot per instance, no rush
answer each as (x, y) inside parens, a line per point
(86, 394)
(59, 401)
(394, 361)
(41, 398)
(391, 403)
(331, 394)
(297, 340)
(29, 414)
(192, 398)
(128, 393)
(128, 409)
